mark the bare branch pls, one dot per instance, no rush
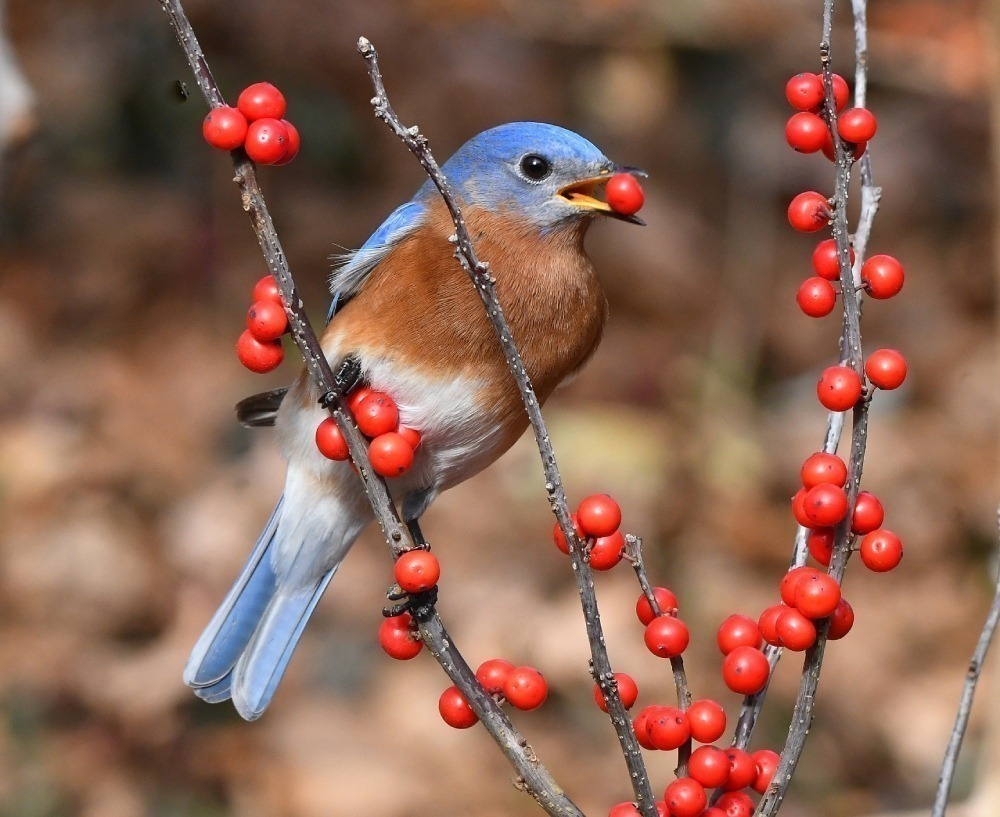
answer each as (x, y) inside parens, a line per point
(968, 693)
(533, 777)
(483, 281)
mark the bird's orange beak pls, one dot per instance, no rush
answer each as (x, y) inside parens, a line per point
(585, 193)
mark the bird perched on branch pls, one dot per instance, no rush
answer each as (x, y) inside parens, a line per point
(410, 318)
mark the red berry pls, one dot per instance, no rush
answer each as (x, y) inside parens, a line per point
(390, 455)
(868, 513)
(666, 636)
(881, 550)
(665, 600)
(767, 621)
(713, 811)
(411, 435)
(261, 101)
(416, 571)
(224, 128)
(804, 92)
(745, 671)
(841, 92)
(799, 508)
(560, 540)
(796, 632)
(809, 212)
(805, 132)
(455, 710)
(294, 143)
(886, 368)
(625, 810)
(742, 770)
(791, 580)
(707, 720)
(267, 141)
(839, 388)
(856, 125)
(816, 297)
(667, 728)
(267, 320)
(884, 276)
(607, 551)
(822, 467)
(599, 515)
(841, 621)
(398, 637)
(266, 289)
(736, 803)
(825, 260)
(493, 673)
(624, 194)
(256, 356)
(628, 691)
(766, 762)
(355, 397)
(525, 688)
(820, 544)
(825, 505)
(640, 726)
(685, 798)
(816, 596)
(709, 765)
(330, 440)
(376, 414)
(737, 631)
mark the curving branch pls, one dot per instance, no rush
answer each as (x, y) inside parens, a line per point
(483, 281)
(532, 776)
(968, 694)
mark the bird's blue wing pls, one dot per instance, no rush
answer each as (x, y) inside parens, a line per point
(351, 269)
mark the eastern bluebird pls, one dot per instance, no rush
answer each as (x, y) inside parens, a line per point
(407, 313)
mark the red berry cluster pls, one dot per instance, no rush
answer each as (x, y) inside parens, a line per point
(523, 687)
(808, 131)
(259, 347)
(597, 519)
(256, 125)
(392, 446)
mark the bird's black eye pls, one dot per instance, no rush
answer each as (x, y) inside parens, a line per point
(535, 167)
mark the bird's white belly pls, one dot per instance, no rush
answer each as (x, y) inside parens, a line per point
(459, 437)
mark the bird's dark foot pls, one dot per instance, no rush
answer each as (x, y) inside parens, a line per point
(346, 378)
(418, 605)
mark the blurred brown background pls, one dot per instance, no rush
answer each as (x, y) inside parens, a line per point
(129, 497)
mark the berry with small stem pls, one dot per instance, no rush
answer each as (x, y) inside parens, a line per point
(881, 550)
(886, 368)
(839, 388)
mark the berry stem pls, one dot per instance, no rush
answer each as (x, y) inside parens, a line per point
(852, 355)
(483, 281)
(532, 776)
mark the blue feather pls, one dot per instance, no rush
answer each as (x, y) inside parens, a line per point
(266, 658)
(231, 628)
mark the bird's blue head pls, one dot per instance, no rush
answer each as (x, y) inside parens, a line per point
(542, 173)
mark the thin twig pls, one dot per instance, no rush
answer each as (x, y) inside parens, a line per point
(633, 552)
(483, 281)
(532, 775)
(968, 693)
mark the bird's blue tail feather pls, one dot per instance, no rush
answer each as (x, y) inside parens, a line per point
(246, 647)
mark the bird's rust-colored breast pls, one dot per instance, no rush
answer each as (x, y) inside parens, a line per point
(419, 306)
